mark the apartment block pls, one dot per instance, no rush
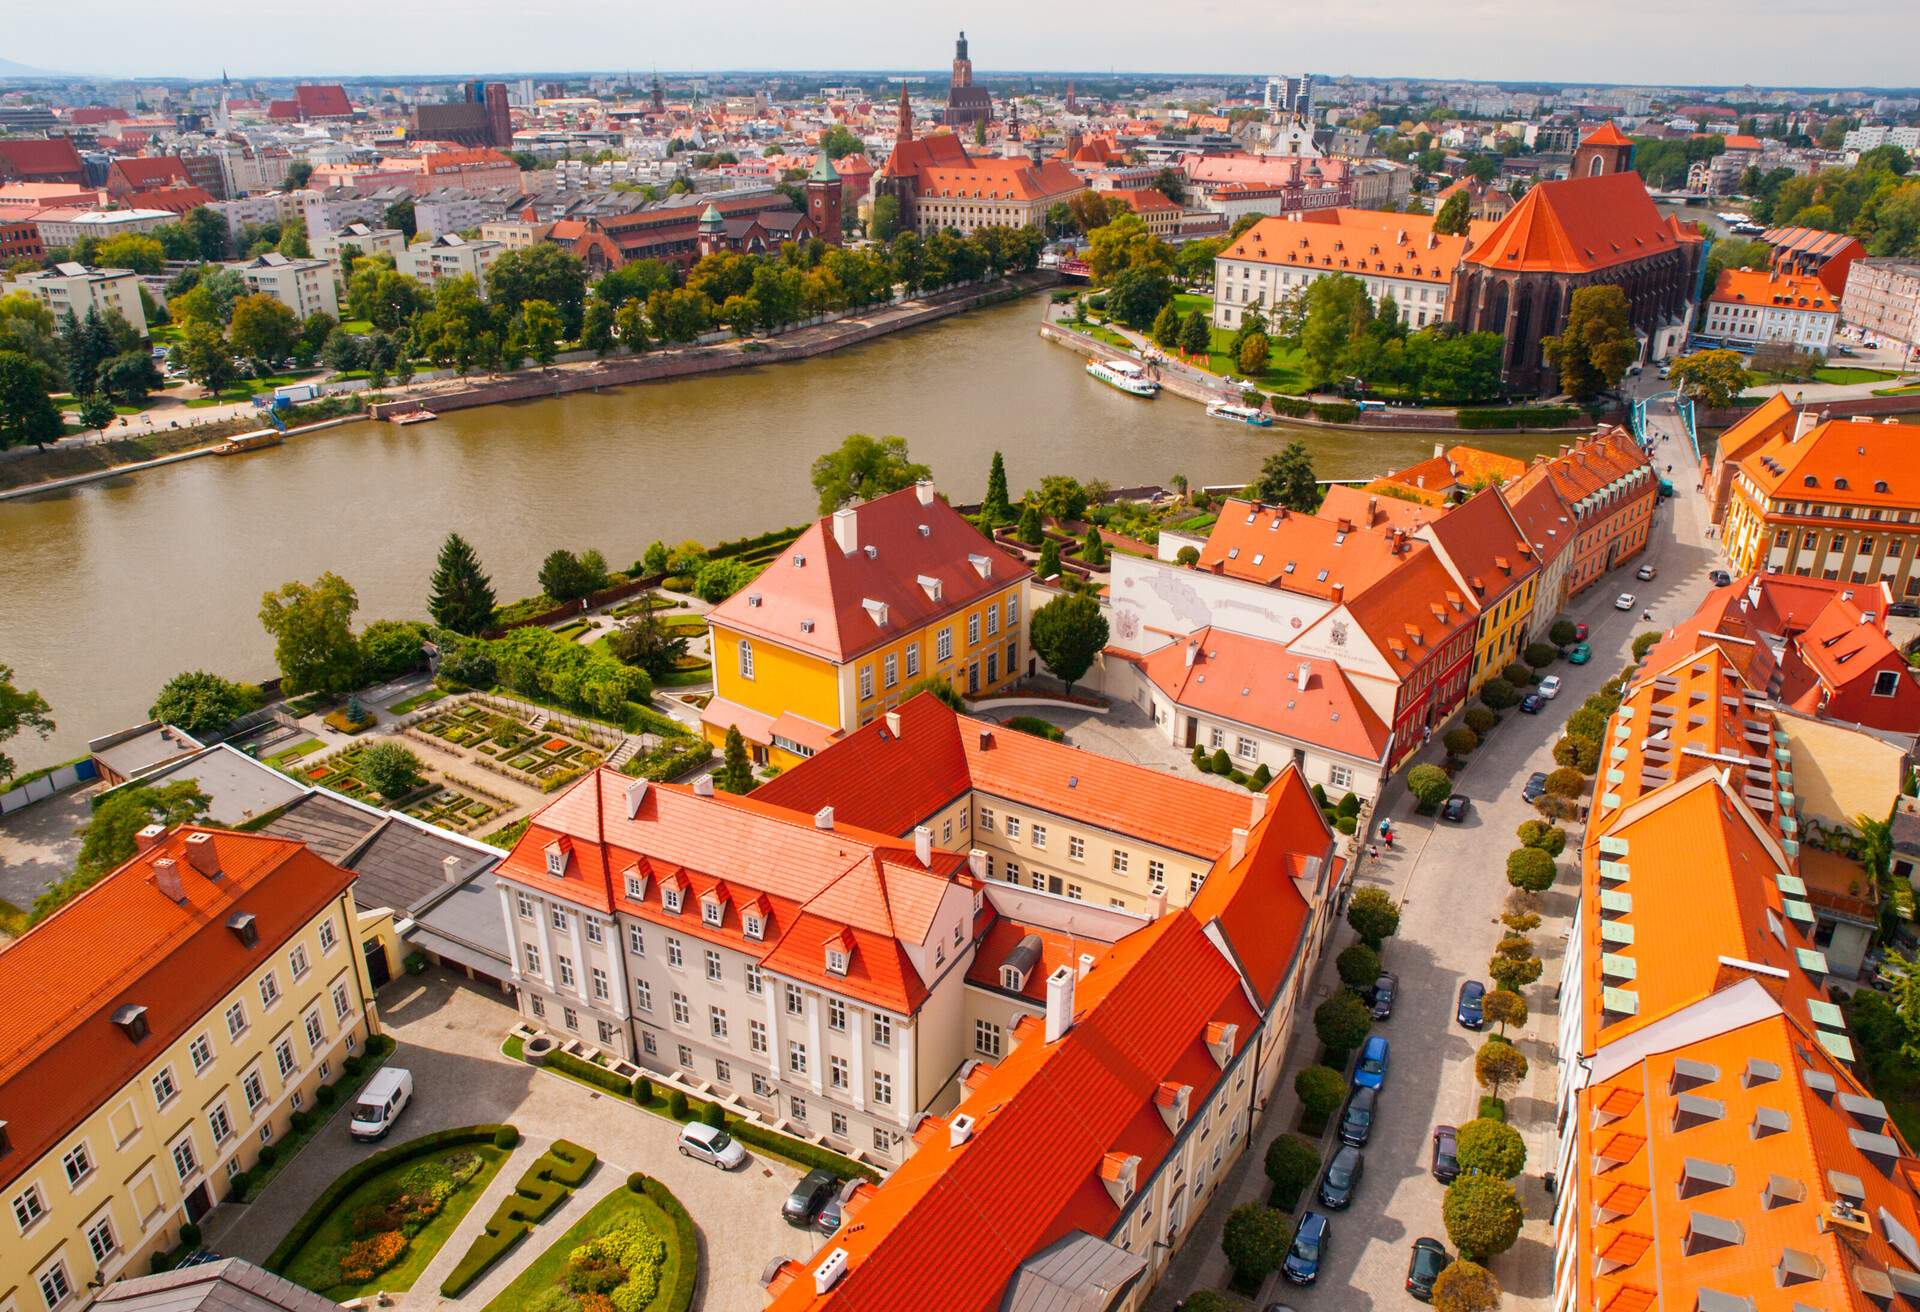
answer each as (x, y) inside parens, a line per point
(449, 256)
(1883, 299)
(303, 286)
(76, 288)
(364, 238)
(136, 1083)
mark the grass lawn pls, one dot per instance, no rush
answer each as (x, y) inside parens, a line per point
(1906, 389)
(316, 1264)
(1185, 303)
(1850, 373)
(1283, 373)
(361, 326)
(548, 1271)
(418, 700)
(280, 760)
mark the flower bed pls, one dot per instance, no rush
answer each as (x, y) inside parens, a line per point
(450, 803)
(504, 742)
(631, 1253)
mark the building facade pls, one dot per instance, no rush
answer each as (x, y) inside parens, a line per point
(1397, 255)
(1609, 484)
(1883, 299)
(303, 286)
(449, 256)
(1757, 307)
(77, 289)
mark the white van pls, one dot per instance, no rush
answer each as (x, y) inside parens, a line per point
(381, 1102)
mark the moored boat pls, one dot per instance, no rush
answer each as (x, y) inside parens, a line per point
(1125, 375)
(1239, 414)
(421, 416)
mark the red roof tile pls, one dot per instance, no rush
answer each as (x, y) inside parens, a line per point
(1578, 225)
(1254, 682)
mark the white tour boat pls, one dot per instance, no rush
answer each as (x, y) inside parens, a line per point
(1125, 375)
(1239, 414)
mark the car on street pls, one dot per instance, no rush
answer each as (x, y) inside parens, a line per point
(1905, 609)
(703, 1143)
(1454, 809)
(1645, 573)
(1719, 578)
(1383, 990)
(808, 1197)
(1550, 687)
(1302, 1266)
(1531, 703)
(1356, 1122)
(1579, 632)
(1375, 1055)
(1446, 1153)
(1582, 653)
(1623, 602)
(1536, 784)
(1424, 1267)
(1469, 1011)
(1343, 1177)
(834, 1211)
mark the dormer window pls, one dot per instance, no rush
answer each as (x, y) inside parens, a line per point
(670, 898)
(712, 912)
(556, 861)
(836, 961)
(1011, 979)
(751, 926)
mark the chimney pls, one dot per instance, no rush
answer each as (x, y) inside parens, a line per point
(1565, 449)
(1803, 424)
(959, 1129)
(450, 869)
(1439, 449)
(846, 530)
(986, 740)
(1373, 510)
(1339, 595)
(1059, 1002)
(1193, 652)
(1259, 809)
(923, 489)
(831, 1268)
(1305, 672)
(893, 723)
(1086, 963)
(1156, 905)
(923, 845)
(703, 786)
(977, 862)
(636, 794)
(147, 837)
(823, 818)
(166, 878)
(1239, 846)
(201, 856)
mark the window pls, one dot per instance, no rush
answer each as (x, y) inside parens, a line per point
(1340, 776)
(943, 644)
(341, 1003)
(986, 819)
(755, 985)
(600, 989)
(220, 1124)
(1216, 738)
(837, 960)
(1886, 683)
(797, 1107)
(713, 964)
(648, 1044)
(796, 1057)
(199, 1052)
(643, 994)
(986, 1038)
(837, 1072)
(1013, 611)
(913, 660)
(682, 1013)
(1013, 827)
(723, 1072)
(596, 933)
(100, 1240)
(524, 905)
(164, 1087)
(712, 912)
(746, 659)
(297, 964)
(973, 630)
(1077, 848)
(256, 1092)
(761, 1088)
(1119, 863)
(866, 682)
(993, 620)
(675, 957)
(560, 920)
(1039, 836)
(796, 1001)
(29, 1206)
(532, 954)
(890, 670)
(637, 940)
(757, 1037)
(836, 1015)
(606, 1033)
(1157, 875)
(946, 832)
(882, 1089)
(565, 965)
(1246, 748)
(327, 937)
(283, 1058)
(269, 989)
(882, 1140)
(717, 1022)
(570, 1017)
(882, 1031)
(184, 1161)
(316, 1032)
(1075, 892)
(840, 1124)
(55, 1288)
(236, 1020)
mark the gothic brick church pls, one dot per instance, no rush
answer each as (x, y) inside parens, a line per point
(1597, 226)
(967, 104)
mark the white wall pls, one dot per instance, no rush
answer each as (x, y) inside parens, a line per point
(1149, 600)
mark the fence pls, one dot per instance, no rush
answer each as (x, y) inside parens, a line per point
(39, 787)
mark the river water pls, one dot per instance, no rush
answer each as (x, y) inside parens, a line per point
(108, 589)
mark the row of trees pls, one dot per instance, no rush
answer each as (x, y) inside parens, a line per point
(101, 358)
(1876, 200)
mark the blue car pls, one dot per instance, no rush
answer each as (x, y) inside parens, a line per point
(1469, 1013)
(1372, 1071)
(1302, 1266)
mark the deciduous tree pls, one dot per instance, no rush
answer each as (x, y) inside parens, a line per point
(1482, 1215)
(1067, 633)
(27, 411)
(1453, 215)
(864, 467)
(202, 703)
(263, 329)
(1373, 915)
(1498, 1064)
(1255, 1241)
(20, 708)
(390, 770)
(311, 625)
(1321, 1089)
(1466, 1287)
(1713, 378)
(1342, 1021)
(1291, 1164)
(1358, 965)
(1492, 1147)
(1594, 349)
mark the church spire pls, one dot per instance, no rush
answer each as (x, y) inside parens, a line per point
(905, 127)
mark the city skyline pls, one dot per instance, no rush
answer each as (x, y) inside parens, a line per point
(1378, 38)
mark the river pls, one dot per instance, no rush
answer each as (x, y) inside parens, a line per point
(108, 589)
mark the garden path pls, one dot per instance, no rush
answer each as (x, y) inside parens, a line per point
(426, 1290)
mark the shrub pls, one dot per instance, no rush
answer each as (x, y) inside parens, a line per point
(1292, 1163)
(506, 1138)
(237, 1186)
(1587, 723)
(1430, 785)
(1255, 1241)
(715, 1115)
(1566, 782)
(599, 1076)
(301, 1121)
(1346, 824)
(798, 1150)
(1518, 416)
(637, 1182)
(1037, 727)
(1519, 674)
(1492, 1108)
(267, 1156)
(1482, 1215)
(351, 1066)
(563, 1167)
(1359, 966)
(189, 1236)
(1208, 1300)
(1201, 761)
(1262, 776)
(1481, 720)
(1499, 694)
(1562, 633)
(1320, 1090)
(1342, 1021)
(1373, 916)
(1531, 868)
(677, 1105)
(1461, 741)
(1349, 804)
(1493, 1147)
(1466, 1286)
(643, 1090)
(1550, 839)
(1540, 654)
(1579, 753)
(1221, 763)
(1555, 808)
(1644, 643)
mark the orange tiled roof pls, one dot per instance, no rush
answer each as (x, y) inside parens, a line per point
(1358, 242)
(121, 942)
(1314, 555)
(1255, 904)
(1578, 225)
(999, 179)
(1859, 462)
(1606, 135)
(1371, 508)
(1485, 546)
(1774, 291)
(1411, 613)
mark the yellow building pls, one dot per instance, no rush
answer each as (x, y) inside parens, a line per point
(1490, 558)
(867, 603)
(162, 1028)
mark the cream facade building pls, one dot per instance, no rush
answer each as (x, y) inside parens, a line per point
(303, 286)
(76, 288)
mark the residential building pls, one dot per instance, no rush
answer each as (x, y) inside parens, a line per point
(1287, 184)
(136, 1083)
(1814, 253)
(63, 227)
(24, 200)
(1828, 499)
(131, 174)
(1488, 556)
(449, 256)
(1756, 307)
(20, 240)
(303, 286)
(76, 288)
(868, 602)
(1882, 297)
(1162, 216)
(670, 234)
(1753, 430)
(1609, 484)
(1450, 475)
(365, 239)
(1548, 523)
(1488, 204)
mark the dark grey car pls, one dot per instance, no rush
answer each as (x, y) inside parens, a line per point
(1342, 1178)
(1356, 1122)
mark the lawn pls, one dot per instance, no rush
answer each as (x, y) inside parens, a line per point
(1850, 373)
(247, 387)
(419, 699)
(361, 326)
(280, 760)
(543, 1284)
(316, 1265)
(1185, 303)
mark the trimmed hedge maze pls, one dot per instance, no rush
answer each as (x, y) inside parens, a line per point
(557, 1173)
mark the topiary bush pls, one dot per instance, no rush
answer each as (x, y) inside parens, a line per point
(1430, 786)
(1320, 1090)
(1550, 839)
(1566, 782)
(1531, 869)
(715, 1115)
(1292, 1163)
(1346, 824)
(677, 1105)
(1220, 762)
(1461, 741)
(1579, 753)
(1540, 654)
(1499, 694)
(599, 1076)
(643, 1090)
(1519, 674)
(1480, 720)
(1358, 965)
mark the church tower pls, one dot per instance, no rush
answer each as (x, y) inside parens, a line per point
(1606, 150)
(962, 66)
(903, 129)
(823, 199)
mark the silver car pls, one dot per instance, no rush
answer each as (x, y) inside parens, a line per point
(704, 1143)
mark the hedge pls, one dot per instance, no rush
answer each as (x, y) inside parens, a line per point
(799, 1150)
(773, 537)
(1519, 416)
(365, 1169)
(598, 1076)
(686, 1234)
(546, 1184)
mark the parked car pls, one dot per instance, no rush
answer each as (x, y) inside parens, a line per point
(1719, 578)
(1302, 1266)
(1356, 1122)
(1446, 1153)
(1531, 703)
(1623, 602)
(1535, 785)
(808, 1197)
(1469, 1011)
(1337, 1186)
(1582, 653)
(1645, 573)
(386, 1096)
(1429, 1259)
(1550, 687)
(1905, 609)
(1579, 632)
(1454, 809)
(834, 1210)
(1383, 990)
(703, 1143)
(1375, 1055)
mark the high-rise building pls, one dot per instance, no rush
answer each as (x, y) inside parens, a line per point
(1290, 95)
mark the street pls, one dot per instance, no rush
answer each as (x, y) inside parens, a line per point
(1451, 883)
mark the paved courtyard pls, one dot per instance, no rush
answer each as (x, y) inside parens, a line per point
(450, 1039)
(40, 843)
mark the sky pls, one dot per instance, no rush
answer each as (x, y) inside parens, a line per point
(1697, 42)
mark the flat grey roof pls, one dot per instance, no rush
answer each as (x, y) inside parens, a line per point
(329, 826)
(404, 865)
(1075, 1273)
(225, 1286)
(145, 750)
(471, 916)
(241, 787)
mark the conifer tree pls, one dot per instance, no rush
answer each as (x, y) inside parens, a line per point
(462, 597)
(996, 507)
(736, 774)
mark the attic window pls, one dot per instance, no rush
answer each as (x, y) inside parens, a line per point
(132, 1021)
(1880, 485)
(1706, 1233)
(799, 561)
(873, 552)
(753, 599)
(557, 861)
(751, 926)
(1760, 1072)
(1688, 1074)
(1690, 1110)
(1840, 484)
(243, 927)
(1782, 1190)
(1811, 481)
(836, 961)
(806, 626)
(712, 912)
(670, 898)
(1698, 1177)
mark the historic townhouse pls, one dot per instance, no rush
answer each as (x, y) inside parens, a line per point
(1485, 552)
(136, 1082)
(1832, 499)
(1608, 482)
(938, 184)
(1753, 307)
(868, 602)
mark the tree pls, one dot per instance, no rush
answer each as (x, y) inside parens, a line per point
(1166, 328)
(311, 625)
(130, 377)
(1334, 311)
(109, 839)
(1492, 1148)
(1286, 479)
(1567, 782)
(1514, 972)
(28, 327)
(1549, 838)
(1123, 243)
(95, 412)
(461, 596)
(647, 642)
(1374, 916)
(863, 468)
(1291, 1164)
(1499, 694)
(1430, 786)
(390, 770)
(1466, 1287)
(27, 411)
(1359, 966)
(567, 577)
(135, 251)
(1505, 1007)
(716, 580)
(1255, 1241)
(19, 709)
(202, 703)
(540, 272)
(540, 327)
(596, 326)
(385, 298)
(1562, 633)
(884, 222)
(996, 507)
(1461, 741)
(1342, 1021)
(736, 774)
(1255, 353)
(1713, 378)
(1453, 215)
(1321, 1089)
(391, 648)
(1137, 295)
(1531, 869)
(941, 690)
(1094, 550)
(1196, 334)
(1067, 633)
(263, 329)
(203, 355)
(1483, 1217)
(1594, 349)
(208, 231)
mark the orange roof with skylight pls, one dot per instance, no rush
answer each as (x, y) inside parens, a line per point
(1250, 681)
(1854, 461)
(1325, 556)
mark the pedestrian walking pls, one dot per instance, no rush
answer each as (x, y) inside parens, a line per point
(1373, 852)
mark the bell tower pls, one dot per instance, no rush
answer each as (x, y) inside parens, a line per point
(823, 200)
(962, 66)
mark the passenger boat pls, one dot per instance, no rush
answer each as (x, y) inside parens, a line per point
(266, 437)
(422, 416)
(1239, 414)
(1125, 375)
